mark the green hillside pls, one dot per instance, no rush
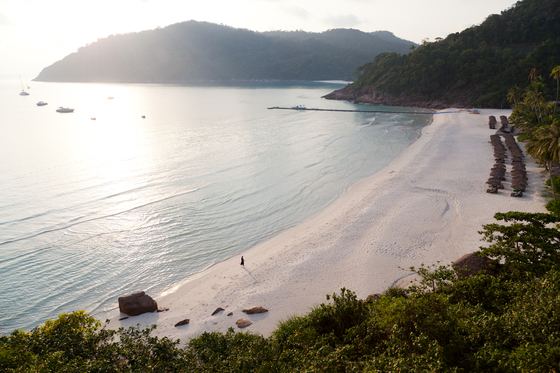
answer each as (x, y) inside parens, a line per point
(475, 67)
(199, 51)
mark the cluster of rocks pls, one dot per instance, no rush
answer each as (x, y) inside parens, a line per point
(138, 303)
(241, 323)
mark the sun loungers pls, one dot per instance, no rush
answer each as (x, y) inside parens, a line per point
(498, 172)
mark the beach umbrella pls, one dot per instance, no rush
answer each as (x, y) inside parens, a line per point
(496, 183)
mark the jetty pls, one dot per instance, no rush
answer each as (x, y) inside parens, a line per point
(303, 108)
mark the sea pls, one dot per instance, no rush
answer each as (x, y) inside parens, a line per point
(145, 185)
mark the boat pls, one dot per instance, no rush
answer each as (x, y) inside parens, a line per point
(64, 110)
(41, 103)
(22, 93)
(299, 107)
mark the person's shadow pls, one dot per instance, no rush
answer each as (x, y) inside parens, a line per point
(250, 274)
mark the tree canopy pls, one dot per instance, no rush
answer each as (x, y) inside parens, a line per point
(475, 67)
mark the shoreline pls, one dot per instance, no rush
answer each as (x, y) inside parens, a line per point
(426, 205)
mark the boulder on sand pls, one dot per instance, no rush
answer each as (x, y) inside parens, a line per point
(469, 265)
(373, 297)
(137, 303)
(183, 322)
(219, 309)
(259, 309)
(242, 323)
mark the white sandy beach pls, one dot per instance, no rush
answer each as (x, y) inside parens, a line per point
(426, 206)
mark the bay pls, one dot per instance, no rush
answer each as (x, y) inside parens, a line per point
(102, 202)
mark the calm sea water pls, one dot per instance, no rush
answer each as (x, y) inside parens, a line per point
(94, 209)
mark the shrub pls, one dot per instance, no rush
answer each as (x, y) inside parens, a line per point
(554, 206)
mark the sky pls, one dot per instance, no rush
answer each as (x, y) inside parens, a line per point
(36, 33)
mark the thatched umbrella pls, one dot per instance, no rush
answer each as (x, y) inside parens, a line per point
(495, 183)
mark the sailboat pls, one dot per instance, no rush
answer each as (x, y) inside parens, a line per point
(22, 93)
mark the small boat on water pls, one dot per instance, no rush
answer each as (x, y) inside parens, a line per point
(22, 93)
(41, 103)
(64, 110)
(299, 107)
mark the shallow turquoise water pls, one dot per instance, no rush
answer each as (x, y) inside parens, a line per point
(94, 209)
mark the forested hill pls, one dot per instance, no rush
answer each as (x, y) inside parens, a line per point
(199, 51)
(475, 67)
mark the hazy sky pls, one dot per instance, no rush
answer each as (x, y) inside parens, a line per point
(37, 33)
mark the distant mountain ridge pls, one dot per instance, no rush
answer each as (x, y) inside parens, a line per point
(376, 42)
(475, 67)
(199, 51)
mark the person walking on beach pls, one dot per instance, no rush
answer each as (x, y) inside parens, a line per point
(242, 261)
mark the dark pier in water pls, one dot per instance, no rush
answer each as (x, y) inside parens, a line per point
(303, 108)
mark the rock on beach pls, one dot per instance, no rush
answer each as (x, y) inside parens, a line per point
(137, 303)
(242, 323)
(253, 310)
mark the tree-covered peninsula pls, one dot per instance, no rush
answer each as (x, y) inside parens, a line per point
(200, 51)
(475, 67)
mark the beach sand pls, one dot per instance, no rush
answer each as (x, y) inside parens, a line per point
(426, 206)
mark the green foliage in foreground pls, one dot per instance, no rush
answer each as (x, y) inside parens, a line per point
(504, 323)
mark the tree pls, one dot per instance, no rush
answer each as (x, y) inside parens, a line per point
(527, 246)
(532, 74)
(514, 95)
(545, 146)
(534, 97)
(556, 75)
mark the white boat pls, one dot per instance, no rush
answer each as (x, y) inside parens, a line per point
(22, 93)
(41, 103)
(64, 110)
